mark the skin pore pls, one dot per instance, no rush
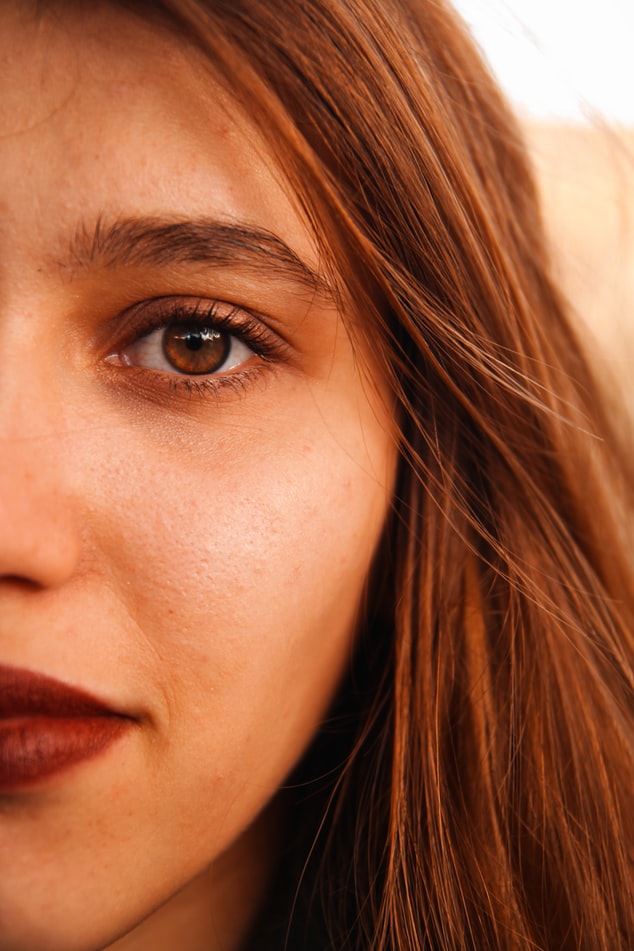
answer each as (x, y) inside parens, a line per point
(191, 550)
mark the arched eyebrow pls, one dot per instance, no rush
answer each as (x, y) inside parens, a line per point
(164, 242)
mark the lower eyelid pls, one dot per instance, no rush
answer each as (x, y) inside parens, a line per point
(158, 387)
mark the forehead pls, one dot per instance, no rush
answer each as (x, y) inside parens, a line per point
(102, 113)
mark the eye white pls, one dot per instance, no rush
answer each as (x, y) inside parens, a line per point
(148, 352)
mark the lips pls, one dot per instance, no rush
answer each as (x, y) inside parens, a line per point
(47, 726)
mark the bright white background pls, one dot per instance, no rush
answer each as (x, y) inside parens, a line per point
(565, 59)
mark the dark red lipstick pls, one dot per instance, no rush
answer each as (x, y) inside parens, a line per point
(47, 726)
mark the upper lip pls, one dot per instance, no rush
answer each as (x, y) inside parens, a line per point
(25, 693)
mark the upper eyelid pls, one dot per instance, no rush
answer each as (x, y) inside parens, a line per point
(161, 311)
(241, 322)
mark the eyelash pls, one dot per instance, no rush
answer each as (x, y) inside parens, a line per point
(240, 324)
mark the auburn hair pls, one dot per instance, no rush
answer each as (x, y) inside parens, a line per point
(473, 788)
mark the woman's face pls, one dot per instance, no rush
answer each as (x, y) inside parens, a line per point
(195, 472)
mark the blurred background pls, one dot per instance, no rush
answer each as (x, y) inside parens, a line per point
(568, 68)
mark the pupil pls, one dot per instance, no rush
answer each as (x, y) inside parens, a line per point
(194, 341)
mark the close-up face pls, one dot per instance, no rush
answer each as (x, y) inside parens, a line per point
(196, 466)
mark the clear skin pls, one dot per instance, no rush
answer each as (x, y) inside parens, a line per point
(196, 558)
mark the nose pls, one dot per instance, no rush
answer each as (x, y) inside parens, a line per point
(39, 536)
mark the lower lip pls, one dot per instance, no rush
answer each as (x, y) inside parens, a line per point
(34, 748)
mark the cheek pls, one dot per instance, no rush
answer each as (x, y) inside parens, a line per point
(248, 563)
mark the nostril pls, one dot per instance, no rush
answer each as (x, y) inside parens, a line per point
(18, 581)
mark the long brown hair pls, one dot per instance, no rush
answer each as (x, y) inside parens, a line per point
(481, 790)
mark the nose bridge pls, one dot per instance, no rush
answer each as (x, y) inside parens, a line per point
(40, 146)
(39, 530)
(34, 357)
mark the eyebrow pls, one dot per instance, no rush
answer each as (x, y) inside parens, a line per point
(163, 242)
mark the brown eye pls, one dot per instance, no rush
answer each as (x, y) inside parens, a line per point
(194, 348)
